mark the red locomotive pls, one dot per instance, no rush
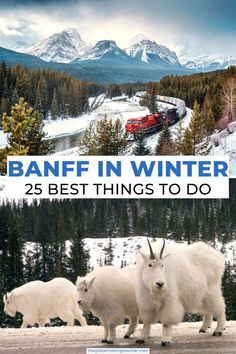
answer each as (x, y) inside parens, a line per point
(151, 122)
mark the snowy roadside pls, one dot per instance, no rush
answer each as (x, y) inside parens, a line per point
(57, 340)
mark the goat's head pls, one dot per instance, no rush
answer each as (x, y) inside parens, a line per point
(86, 293)
(153, 273)
(10, 304)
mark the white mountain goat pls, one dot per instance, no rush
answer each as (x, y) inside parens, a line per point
(39, 301)
(26, 300)
(175, 279)
(109, 293)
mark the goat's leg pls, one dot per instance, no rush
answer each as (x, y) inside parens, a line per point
(207, 321)
(132, 326)
(145, 333)
(166, 335)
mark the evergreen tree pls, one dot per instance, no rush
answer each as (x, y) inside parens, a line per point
(23, 86)
(140, 148)
(129, 91)
(114, 91)
(88, 145)
(78, 257)
(35, 137)
(14, 98)
(54, 106)
(210, 122)
(15, 125)
(152, 102)
(25, 133)
(196, 138)
(165, 145)
(187, 143)
(179, 137)
(109, 256)
(105, 138)
(41, 98)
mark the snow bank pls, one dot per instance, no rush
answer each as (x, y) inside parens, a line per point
(224, 144)
(124, 250)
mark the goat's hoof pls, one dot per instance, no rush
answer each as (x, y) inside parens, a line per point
(165, 344)
(109, 341)
(202, 330)
(217, 334)
(140, 341)
(103, 341)
(126, 336)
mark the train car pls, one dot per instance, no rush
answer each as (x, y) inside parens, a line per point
(154, 122)
(181, 110)
(147, 124)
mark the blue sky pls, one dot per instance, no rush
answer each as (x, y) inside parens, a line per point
(200, 26)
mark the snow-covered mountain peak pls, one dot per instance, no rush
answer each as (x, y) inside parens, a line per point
(148, 50)
(206, 61)
(103, 47)
(61, 47)
(72, 32)
(138, 38)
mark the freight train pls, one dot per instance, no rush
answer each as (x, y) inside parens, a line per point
(155, 122)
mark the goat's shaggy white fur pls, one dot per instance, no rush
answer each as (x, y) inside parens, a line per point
(109, 293)
(39, 301)
(184, 279)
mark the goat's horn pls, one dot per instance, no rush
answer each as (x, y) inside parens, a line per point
(161, 253)
(152, 256)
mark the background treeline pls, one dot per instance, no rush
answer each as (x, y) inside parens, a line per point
(206, 88)
(45, 90)
(57, 94)
(51, 224)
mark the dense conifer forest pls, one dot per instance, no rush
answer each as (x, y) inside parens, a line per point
(45, 90)
(206, 88)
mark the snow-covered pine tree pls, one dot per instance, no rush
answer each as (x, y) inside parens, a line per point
(141, 148)
(165, 145)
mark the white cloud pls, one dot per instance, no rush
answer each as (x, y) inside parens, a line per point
(100, 20)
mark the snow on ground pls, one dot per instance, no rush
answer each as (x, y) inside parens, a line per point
(3, 139)
(125, 250)
(74, 340)
(112, 109)
(2, 185)
(226, 141)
